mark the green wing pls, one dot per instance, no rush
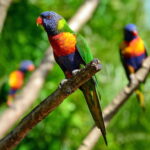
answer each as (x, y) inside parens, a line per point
(90, 88)
(83, 49)
(86, 55)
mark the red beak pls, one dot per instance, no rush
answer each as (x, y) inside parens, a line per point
(31, 68)
(39, 21)
(135, 33)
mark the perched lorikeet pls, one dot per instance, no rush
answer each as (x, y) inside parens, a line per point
(132, 53)
(15, 82)
(71, 52)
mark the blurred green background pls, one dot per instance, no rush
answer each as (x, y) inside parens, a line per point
(65, 128)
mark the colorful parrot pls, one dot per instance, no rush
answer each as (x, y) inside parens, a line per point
(71, 52)
(132, 53)
(15, 82)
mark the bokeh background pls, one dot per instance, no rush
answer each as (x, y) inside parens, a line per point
(65, 128)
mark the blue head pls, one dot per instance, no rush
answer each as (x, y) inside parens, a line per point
(26, 65)
(49, 20)
(130, 32)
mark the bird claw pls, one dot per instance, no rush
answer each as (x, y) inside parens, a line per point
(74, 72)
(62, 82)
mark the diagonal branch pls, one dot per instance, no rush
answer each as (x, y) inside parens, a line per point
(111, 110)
(4, 5)
(82, 16)
(29, 92)
(48, 105)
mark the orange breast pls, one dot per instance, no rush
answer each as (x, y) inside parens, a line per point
(16, 79)
(133, 48)
(63, 43)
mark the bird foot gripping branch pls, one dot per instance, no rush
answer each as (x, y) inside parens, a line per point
(97, 61)
(62, 82)
(74, 72)
(94, 64)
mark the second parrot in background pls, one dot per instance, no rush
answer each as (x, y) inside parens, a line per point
(132, 53)
(15, 82)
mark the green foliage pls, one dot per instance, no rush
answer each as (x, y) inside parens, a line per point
(65, 128)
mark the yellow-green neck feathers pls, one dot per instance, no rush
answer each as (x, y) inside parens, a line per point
(63, 26)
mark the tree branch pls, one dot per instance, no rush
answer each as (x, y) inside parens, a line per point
(48, 105)
(82, 16)
(29, 92)
(111, 110)
(4, 5)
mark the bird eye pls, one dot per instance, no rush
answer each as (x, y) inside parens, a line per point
(48, 17)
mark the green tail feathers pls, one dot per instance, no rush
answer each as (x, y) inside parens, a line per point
(92, 99)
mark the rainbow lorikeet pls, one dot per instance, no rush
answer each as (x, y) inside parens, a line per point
(132, 53)
(71, 52)
(15, 82)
